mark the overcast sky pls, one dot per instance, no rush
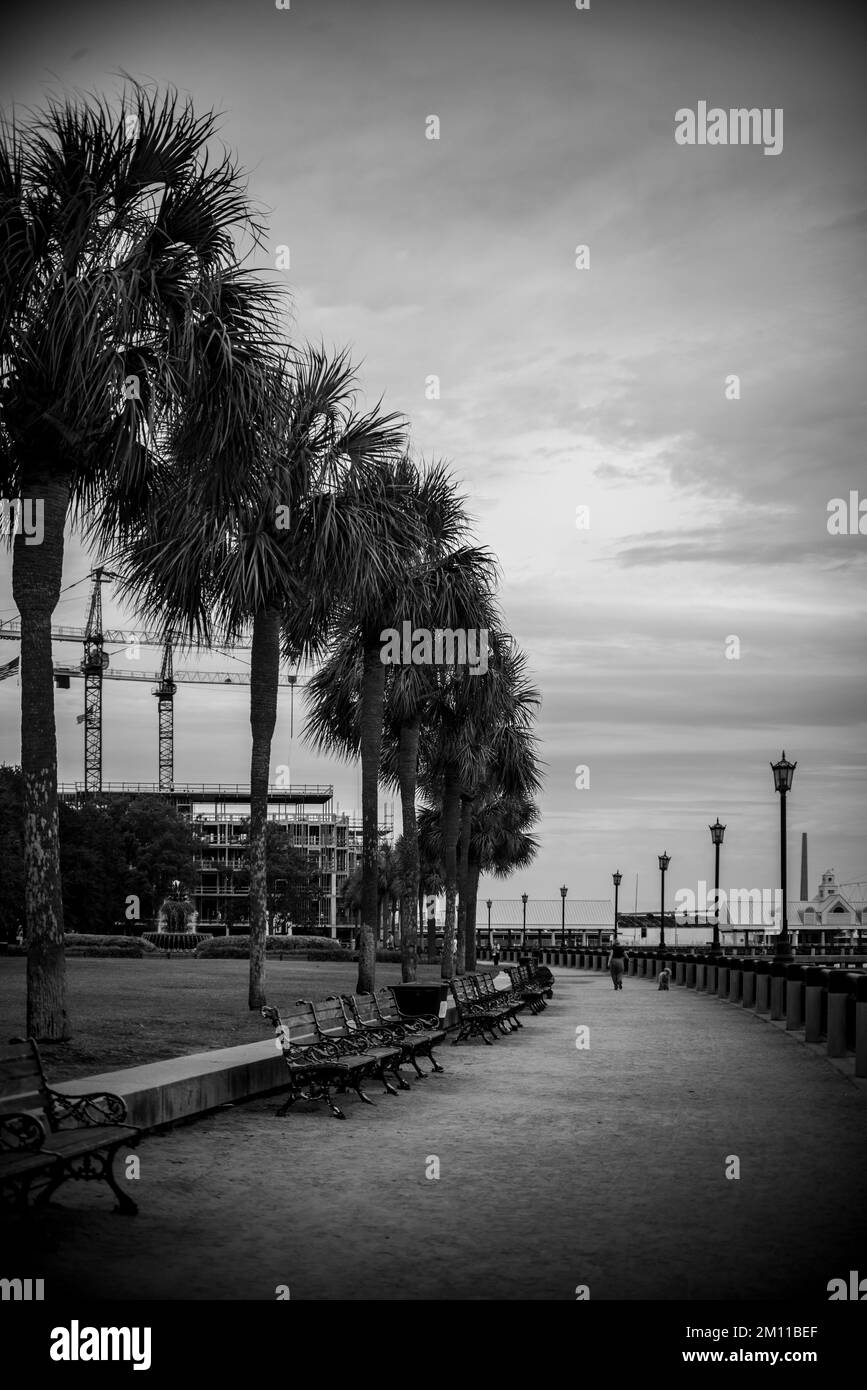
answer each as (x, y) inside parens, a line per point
(563, 387)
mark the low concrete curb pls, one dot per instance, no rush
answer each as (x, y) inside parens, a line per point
(161, 1093)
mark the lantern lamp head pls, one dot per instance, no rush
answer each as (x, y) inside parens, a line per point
(783, 772)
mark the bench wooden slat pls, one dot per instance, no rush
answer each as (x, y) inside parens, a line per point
(70, 1134)
(15, 1067)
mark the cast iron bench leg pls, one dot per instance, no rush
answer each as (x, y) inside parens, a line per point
(354, 1084)
(401, 1080)
(125, 1204)
(432, 1059)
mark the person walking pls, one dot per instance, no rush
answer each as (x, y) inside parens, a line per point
(617, 964)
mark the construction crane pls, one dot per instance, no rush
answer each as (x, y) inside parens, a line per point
(95, 669)
(11, 631)
(93, 665)
(165, 693)
(164, 686)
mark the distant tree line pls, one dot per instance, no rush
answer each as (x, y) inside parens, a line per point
(127, 848)
(110, 852)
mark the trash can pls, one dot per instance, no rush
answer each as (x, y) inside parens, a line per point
(416, 999)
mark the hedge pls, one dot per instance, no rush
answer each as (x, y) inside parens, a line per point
(306, 947)
(238, 947)
(84, 944)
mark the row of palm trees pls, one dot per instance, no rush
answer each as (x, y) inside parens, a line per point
(236, 485)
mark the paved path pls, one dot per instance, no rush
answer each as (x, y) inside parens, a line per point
(558, 1167)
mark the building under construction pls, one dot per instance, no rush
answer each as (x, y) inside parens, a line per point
(219, 814)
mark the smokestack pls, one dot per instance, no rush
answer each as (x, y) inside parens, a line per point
(805, 886)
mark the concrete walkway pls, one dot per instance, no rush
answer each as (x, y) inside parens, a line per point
(603, 1166)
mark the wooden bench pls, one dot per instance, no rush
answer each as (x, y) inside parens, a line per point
(318, 1066)
(531, 990)
(80, 1135)
(367, 1014)
(541, 975)
(508, 1001)
(334, 1025)
(315, 1068)
(476, 1018)
(22, 1158)
(426, 1028)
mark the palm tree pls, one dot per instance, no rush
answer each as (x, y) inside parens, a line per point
(454, 593)
(500, 843)
(270, 553)
(471, 720)
(355, 695)
(506, 764)
(119, 275)
(431, 880)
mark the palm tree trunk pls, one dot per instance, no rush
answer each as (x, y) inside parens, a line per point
(372, 699)
(409, 900)
(37, 572)
(451, 825)
(474, 870)
(463, 861)
(264, 682)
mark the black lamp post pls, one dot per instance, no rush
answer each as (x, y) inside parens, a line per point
(563, 892)
(524, 928)
(783, 772)
(616, 879)
(664, 861)
(717, 832)
(488, 905)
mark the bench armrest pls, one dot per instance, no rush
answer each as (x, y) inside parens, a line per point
(93, 1108)
(309, 1054)
(21, 1133)
(349, 1044)
(420, 1022)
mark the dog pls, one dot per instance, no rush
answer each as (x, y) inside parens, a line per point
(664, 977)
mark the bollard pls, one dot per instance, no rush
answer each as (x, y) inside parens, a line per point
(794, 997)
(839, 985)
(763, 986)
(632, 965)
(701, 974)
(722, 978)
(712, 974)
(861, 1024)
(690, 972)
(679, 970)
(734, 982)
(814, 988)
(748, 985)
(778, 988)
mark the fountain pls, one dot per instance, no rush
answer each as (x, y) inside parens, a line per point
(176, 923)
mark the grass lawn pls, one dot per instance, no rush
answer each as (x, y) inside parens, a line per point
(128, 1012)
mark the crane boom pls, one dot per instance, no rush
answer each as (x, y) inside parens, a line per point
(186, 676)
(11, 631)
